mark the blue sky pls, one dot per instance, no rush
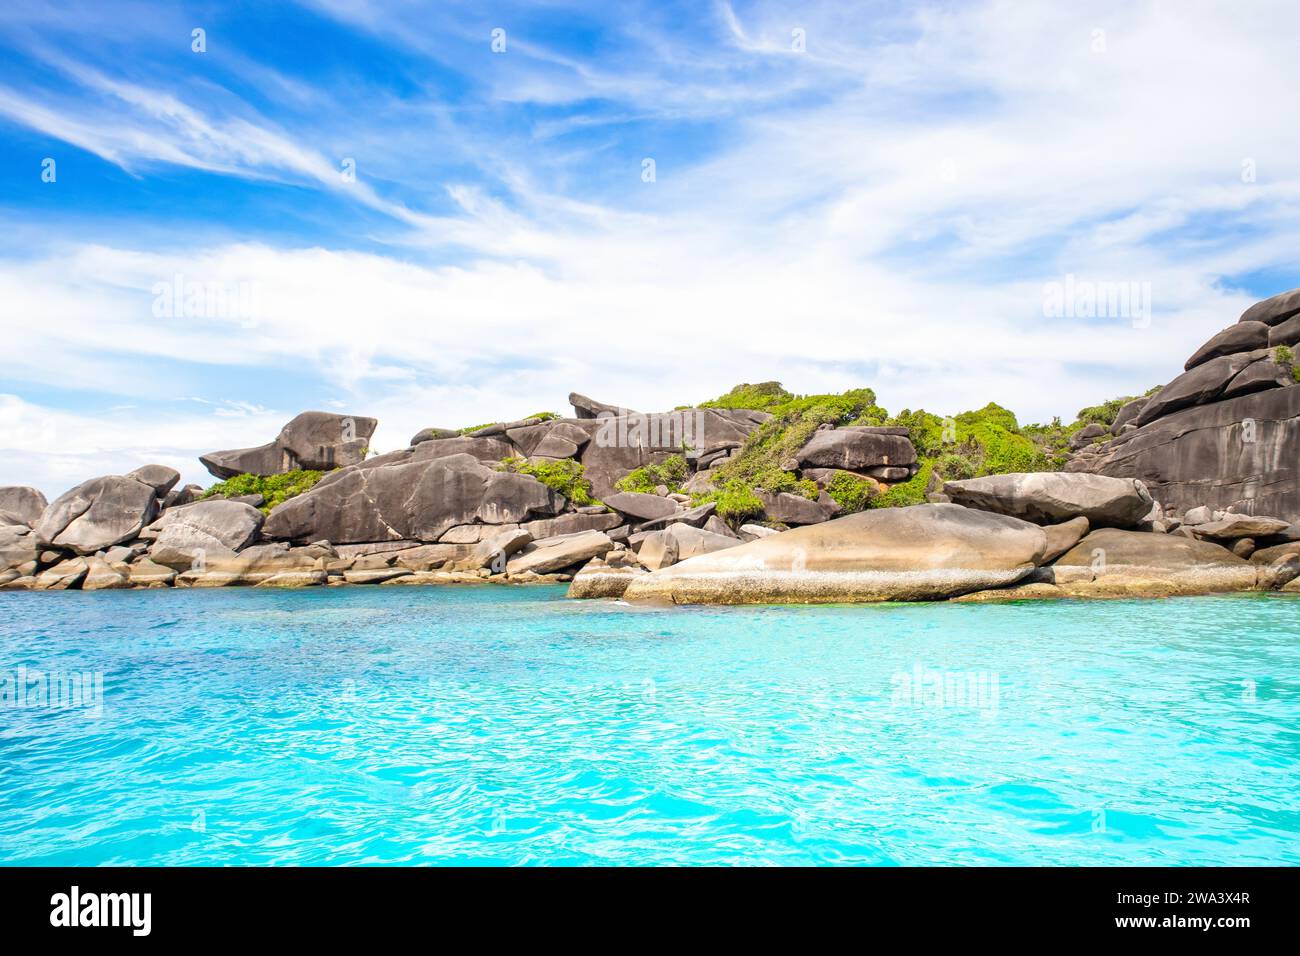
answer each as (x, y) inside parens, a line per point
(843, 194)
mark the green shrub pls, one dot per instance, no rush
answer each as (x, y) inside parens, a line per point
(672, 472)
(736, 502)
(761, 396)
(910, 492)
(274, 489)
(564, 475)
(851, 493)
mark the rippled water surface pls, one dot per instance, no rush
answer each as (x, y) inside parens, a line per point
(489, 725)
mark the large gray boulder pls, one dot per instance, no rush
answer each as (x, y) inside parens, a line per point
(589, 408)
(319, 441)
(857, 448)
(1113, 563)
(1241, 337)
(97, 514)
(1051, 497)
(1263, 373)
(635, 504)
(552, 554)
(19, 549)
(1275, 310)
(418, 499)
(1285, 333)
(214, 527)
(795, 509)
(923, 552)
(1202, 384)
(488, 450)
(161, 478)
(26, 503)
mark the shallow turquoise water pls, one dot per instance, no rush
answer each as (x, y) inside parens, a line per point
(488, 725)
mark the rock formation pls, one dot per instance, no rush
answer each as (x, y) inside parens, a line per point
(1226, 432)
(319, 441)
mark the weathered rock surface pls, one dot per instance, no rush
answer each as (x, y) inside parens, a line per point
(1240, 526)
(418, 499)
(1202, 384)
(19, 549)
(206, 529)
(599, 580)
(1241, 337)
(161, 478)
(319, 441)
(1051, 497)
(428, 434)
(641, 506)
(1275, 310)
(26, 503)
(922, 552)
(589, 408)
(857, 448)
(552, 554)
(97, 514)
(1137, 563)
(794, 509)
(1064, 536)
(1243, 454)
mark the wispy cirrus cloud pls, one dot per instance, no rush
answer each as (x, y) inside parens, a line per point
(882, 207)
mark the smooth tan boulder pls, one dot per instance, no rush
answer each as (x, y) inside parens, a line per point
(598, 580)
(920, 553)
(1142, 564)
(552, 554)
(1064, 536)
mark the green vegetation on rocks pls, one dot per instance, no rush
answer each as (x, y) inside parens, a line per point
(671, 473)
(563, 475)
(851, 493)
(760, 464)
(274, 489)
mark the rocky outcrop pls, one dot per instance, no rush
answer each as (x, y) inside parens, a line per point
(1241, 454)
(1050, 497)
(319, 441)
(923, 552)
(97, 514)
(858, 448)
(202, 531)
(1114, 563)
(1226, 433)
(416, 499)
(22, 502)
(159, 477)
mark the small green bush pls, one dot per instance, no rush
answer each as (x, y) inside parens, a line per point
(564, 476)
(851, 493)
(649, 477)
(910, 492)
(274, 489)
(736, 502)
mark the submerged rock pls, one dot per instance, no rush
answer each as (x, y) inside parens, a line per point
(922, 552)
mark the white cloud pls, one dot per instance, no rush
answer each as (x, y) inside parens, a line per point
(894, 230)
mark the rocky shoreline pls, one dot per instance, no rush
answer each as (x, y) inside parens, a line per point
(1191, 489)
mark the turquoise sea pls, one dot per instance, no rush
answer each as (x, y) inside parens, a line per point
(493, 725)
